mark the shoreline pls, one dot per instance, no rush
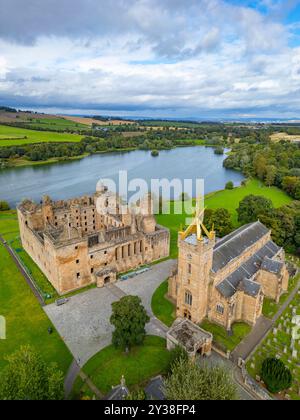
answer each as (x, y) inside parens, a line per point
(21, 163)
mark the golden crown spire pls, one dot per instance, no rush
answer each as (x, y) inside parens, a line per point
(197, 226)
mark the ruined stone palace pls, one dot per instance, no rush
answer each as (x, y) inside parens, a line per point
(225, 281)
(89, 240)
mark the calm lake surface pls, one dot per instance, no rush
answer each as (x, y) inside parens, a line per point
(71, 179)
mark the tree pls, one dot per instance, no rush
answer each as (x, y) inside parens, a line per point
(176, 354)
(155, 153)
(129, 318)
(4, 206)
(276, 375)
(219, 150)
(189, 381)
(220, 220)
(229, 185)
(252, 206)
(28, 377)
(270, 175)
(259, 165)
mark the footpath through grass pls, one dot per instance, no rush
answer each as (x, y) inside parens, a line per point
(12, 136)
(26, 322)
(162, 307)
(141, 364)
(228, 199)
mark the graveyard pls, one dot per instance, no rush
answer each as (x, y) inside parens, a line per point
(283, 342)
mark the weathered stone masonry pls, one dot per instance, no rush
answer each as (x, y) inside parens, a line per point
(226, 281)
(89, 240)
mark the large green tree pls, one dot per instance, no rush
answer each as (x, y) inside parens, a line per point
(129, 318)
(252, 206)
(220, 219)
(189, 381)
(28, 377)
(276, 375)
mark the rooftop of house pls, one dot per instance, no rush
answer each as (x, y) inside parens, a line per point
(272, 266)
(236, 243)
(240, 279)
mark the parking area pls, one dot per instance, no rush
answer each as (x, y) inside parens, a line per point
(83, 322)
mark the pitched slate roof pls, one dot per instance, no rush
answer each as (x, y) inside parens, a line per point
(246, 271)
(272, 266)
(233, 245)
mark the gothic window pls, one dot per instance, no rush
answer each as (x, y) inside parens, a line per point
(220, 309)
(188, 298)
(190, 268)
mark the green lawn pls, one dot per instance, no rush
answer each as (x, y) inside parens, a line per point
(228, 199)
(9, 229)
(222, 338)
(106, 368)
(162, 308)
(16, 136)
(26, 322)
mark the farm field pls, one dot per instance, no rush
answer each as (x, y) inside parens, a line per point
(90, 121)
(12, 136)
(228, 199)
(284, 136)
(56, 124)
(26, 322)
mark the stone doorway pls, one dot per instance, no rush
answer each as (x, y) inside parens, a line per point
(107, 280)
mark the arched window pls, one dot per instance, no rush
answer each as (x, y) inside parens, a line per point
(188, 298)
(220, 309)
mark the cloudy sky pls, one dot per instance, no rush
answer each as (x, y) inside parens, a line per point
(158, 58)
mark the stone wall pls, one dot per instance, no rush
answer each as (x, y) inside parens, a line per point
(71, 242)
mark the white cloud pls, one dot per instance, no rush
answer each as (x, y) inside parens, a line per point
(153, 56)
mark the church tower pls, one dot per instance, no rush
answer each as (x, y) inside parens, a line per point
(195, 260)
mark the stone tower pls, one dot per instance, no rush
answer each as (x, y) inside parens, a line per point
(195, 259)
(194, 266)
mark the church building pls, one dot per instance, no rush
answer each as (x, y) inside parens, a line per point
(225, 281)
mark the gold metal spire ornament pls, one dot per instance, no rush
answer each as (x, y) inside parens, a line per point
(197, 226)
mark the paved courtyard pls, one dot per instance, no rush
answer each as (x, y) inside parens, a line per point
(83, 322)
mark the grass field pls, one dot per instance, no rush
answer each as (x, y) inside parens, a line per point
(162, 308)
(20, 136)
(142, 363)
(221, 337)
(228, 199)
(9, 229)
(26, 322)
(59, 124)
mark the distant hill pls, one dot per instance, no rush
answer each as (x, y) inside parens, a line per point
(7, 109)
